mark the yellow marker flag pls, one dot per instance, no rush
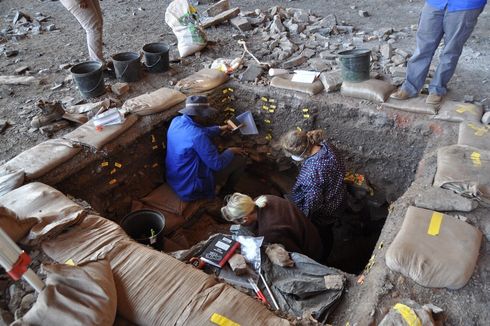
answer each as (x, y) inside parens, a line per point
(222, 320)
(435, 224)
(408, 315)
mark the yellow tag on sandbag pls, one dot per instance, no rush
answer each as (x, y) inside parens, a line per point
(408, 314)
(435, 224)
(70, 262)
(479, 131)
(475, 158)
(466, 108)
(222, 320)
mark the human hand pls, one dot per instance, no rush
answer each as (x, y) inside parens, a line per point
(83, 4)
(238, 151)
(225, 128)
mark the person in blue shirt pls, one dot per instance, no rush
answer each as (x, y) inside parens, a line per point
(453, 20)
(194, 167)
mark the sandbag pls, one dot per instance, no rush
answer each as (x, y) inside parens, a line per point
(10, 181)
(201, 81)
(439, 199)
(474, 134)
(434, 254)
(154, 102)
(152, 287)
(463, 165)
(409, 314)
(53, 211)
(414, 104)
(89, 136)
(90, 240)
(331, 80)
(42, 158)
(15, 228)
(284, 82)
(372, 90)
(183, 19)
(458, 111)
(224, 302)
(75, 295)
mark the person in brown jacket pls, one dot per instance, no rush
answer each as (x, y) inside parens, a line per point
(277, 220)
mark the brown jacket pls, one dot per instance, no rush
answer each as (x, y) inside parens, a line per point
(281, 222)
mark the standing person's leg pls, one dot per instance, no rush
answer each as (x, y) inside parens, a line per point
(90, 18)
(458, 26)
(429, 35)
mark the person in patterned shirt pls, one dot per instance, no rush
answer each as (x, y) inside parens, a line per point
(319, 189)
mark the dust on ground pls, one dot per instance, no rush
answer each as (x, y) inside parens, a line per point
(131, 24)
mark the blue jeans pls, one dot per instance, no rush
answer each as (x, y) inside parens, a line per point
(456, 27)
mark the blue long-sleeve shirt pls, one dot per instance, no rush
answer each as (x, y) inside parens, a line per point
(457, 5)
(192, 158)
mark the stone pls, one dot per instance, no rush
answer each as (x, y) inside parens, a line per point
(217, 8)
(327, 55)
(308, 53)
(65, 66)
(120, 88)
(241, 23)
(398, 59)
(444, 200)
(363, 13)
(51, 27)
(277, 26)
(386, 50)
(398, 71)
(469, 99)
(238, 264)
(300, 16)
(21, 70)
(331, 80)
(334, 282)
(486, 118)
(292, 27)
(251, 73)
(402, 53)
(293, 62)
(11, 53)
(358, 40)
(318, 64)
(220, 18)
(27, 302)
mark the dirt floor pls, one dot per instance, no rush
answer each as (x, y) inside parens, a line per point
(131, 24)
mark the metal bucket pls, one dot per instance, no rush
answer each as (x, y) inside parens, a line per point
(355, 65)
(156, 57)
(89, 78)
(127, 66)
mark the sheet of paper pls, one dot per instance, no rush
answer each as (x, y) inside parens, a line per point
(304, 76)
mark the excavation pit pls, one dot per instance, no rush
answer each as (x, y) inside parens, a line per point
(372, 143)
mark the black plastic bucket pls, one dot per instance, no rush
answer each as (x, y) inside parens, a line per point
(127, 66)
(156, 57)
(89, 78)
(355, 65)
(139, 225)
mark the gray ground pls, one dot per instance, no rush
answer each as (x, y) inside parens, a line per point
(131, 24)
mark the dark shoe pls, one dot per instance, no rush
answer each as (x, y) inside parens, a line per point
(400, 95)
(434, 99)
(51, 112)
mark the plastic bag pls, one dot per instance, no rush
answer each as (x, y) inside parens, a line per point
(184, 22)
(250, 248)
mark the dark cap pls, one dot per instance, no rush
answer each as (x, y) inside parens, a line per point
(198, 105)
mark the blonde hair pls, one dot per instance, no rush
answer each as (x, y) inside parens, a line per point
(297, 142)
(239, 205)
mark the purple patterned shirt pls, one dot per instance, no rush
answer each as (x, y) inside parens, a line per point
(319, 188)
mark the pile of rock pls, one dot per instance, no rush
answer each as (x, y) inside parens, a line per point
(22, 24)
